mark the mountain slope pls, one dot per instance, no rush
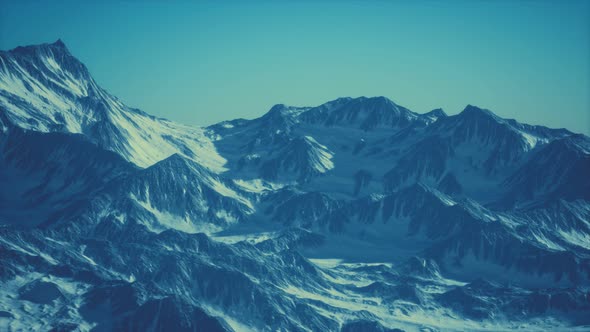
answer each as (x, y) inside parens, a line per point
(44, 88)
(44, 173)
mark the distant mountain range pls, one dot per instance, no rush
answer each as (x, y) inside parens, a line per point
(355, 215)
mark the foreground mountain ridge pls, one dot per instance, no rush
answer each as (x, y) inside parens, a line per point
(357, 214)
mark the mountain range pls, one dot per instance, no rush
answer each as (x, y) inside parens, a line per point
(354, 215)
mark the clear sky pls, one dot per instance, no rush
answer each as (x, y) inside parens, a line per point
(200, 63)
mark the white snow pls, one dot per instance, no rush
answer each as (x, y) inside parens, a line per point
(90, 260)
(321, 157)
(546, 242)
(164, 220)
(576, 238)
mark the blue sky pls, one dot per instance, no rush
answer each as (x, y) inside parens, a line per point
(200, 63)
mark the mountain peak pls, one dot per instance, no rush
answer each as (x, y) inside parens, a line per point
(174, 160)
(285, 109)
(438, 112)
(363, 112)
(362, 100)
(180, 164)
(277, 108)
(379, 101)
(473, 115)
(281, 116)
(474, 111)
(177, 165)
(38, 49)
(59, 44)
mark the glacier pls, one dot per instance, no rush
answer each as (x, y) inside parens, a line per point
(355, 215)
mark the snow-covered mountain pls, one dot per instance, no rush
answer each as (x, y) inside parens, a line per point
(355, 215)
(44, 88)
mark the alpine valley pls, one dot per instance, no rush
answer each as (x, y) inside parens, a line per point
(355, 215)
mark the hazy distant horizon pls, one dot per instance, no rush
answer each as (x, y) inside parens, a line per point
(204, 63)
